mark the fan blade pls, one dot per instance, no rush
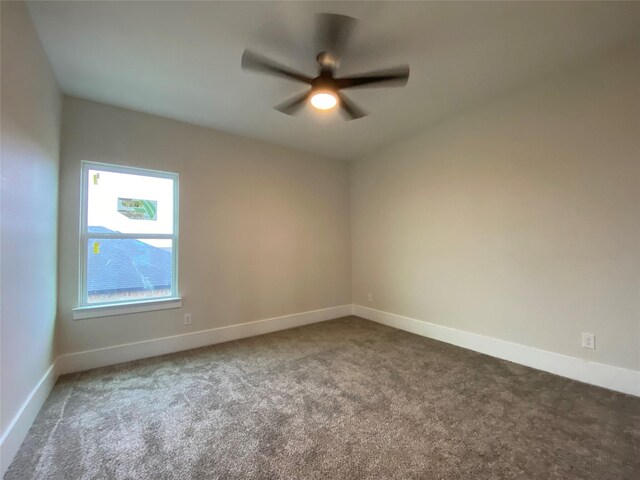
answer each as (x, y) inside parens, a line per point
(392, 77)
(350, 109)
(291, 106)
(333, 33)
(259, 63)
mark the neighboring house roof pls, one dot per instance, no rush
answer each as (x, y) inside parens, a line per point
(126, 265)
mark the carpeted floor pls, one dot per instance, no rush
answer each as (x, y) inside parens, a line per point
(344, 399)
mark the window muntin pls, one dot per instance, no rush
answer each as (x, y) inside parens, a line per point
(129, 223)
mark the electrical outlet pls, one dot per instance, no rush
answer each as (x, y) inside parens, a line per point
(370, 297)
(187, 319)
(589, 340)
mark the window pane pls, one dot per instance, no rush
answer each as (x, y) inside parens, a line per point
(124, 269)
(125, 203)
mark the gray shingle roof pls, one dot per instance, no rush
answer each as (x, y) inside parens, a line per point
(124, 265)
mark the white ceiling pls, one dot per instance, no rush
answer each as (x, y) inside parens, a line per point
(182, 59)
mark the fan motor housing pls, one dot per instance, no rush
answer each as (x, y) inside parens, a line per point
(324, 81)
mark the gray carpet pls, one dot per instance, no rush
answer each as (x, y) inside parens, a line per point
(346, 398)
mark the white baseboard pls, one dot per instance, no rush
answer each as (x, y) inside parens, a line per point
(79, 361)
(607, 376)
(17, 430)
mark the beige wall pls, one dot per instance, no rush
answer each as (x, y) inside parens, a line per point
(264, 230)
(29, 165)
(519, 221)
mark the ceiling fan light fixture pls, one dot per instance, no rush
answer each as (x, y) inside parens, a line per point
(324, 91)
(324, 100)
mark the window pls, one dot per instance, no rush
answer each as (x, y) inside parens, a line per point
(128, 235)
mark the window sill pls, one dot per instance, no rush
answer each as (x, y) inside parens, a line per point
(126, 308)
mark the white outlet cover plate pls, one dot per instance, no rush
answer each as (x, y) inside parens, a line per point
(589, 340)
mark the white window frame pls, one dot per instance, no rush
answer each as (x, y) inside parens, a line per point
(87, 310)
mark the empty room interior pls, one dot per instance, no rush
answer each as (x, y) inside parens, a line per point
(320, 240)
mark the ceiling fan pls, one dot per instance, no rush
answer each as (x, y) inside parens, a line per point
(325, 92)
